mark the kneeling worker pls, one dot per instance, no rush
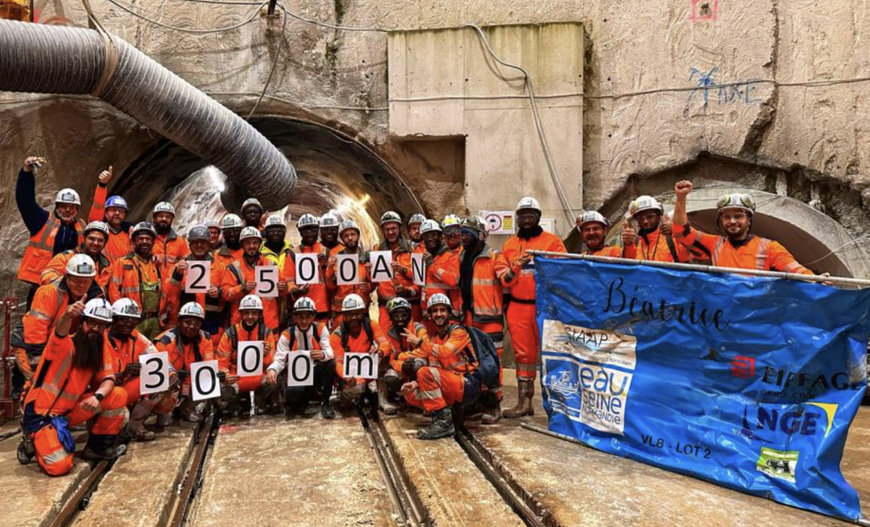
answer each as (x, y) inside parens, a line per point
(305, 334)
(451, 377)
(399, 310)
(61, 396)
(355, 334)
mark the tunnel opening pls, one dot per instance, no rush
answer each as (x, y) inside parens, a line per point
(336, 173)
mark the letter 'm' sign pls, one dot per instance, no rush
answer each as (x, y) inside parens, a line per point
(204, 383)
(382, 265)
(307, 269)
(267, 281)
(300, 369)
(249, 358)
(154, 375)
(361, 365)
(418, 266)
(347, 269)
(198, 277)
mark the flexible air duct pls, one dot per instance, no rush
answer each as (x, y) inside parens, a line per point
(54, 59)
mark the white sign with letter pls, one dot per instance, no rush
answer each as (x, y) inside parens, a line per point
(382, 265)
(300, 369)
(267, 281)
(347, 269)
(307, 269)
(361, 365)
(249, 358)
(204, 383)
(418, 267)
(198, 277)
(154, 375)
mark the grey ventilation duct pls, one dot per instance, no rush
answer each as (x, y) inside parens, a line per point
(54, 59)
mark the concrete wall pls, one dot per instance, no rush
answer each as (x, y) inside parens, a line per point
(667, 83)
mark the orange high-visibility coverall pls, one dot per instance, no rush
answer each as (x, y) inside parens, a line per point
(612, 251)
(442, 383)
(181, 356)
(56, 268)
(400, 350)
(316, 292)
(338, 292)
(119, 244)
(359, 344)
(754, 253)
(49, 303)
(122, 353)
(58, 388)
(654, 247)
(39, 251)
(128, 275)
(522, 325)
(387, 290)
(487, 313)
(232, 289)
(227, 352)
(442, 276)
(169, 249)
(173, 291)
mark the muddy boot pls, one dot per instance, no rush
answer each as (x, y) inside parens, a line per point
(102, 447)
(266, 399)
(326, 410)
(525, 392)
(492, 416)
(384, 399)
(163, 420)
(136, 426)
(187, 411)
(441, 425)
(244, 405)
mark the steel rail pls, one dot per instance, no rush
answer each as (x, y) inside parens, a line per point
(79, 500)
(181, 504)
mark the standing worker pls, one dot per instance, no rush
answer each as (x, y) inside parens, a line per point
(442, 266)
(239, 279)
(137, 277)
(402, 285)
(96, 235)
(593, 229)
(308, 229)
(349, 233)
(649, 242)
(173, 286)
(169, 247)
(113, 211)
(517, 274)
(252, 213)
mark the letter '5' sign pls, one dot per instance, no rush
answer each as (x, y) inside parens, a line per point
(154, 375)
(267, 281)
(204, 383)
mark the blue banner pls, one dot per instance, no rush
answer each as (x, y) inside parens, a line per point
(747, 382)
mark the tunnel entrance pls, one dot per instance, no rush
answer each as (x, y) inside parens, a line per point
(335, 172)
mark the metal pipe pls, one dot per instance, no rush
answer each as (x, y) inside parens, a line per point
(836, 280)
(7, 405)
(40, 58)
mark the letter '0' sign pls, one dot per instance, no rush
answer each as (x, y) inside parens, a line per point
(418, 266)
(154, 375)
(347, 269)
(300, 369)
(204, 383)
(382, 266)
(198, 277)
(267, 281)
(249, 358)
(361, 365)
(307, 269)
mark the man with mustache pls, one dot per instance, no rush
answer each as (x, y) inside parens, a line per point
(198, 239)
(137, 277)
(169, 247)
(349, 233)
(113, 211)
(96, 234)
(593, 228)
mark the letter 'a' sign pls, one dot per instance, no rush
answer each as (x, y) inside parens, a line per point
(347, 269)
(267, 280)
(249, 358)
(154, 375)
(361, 365)
(198, 277)
(204, 383)
(307, 269)
(382, 265)
(418, 266)
(300, 369)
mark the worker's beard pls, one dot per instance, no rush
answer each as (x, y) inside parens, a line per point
(162, 228)
(530, 232)
(88, 351)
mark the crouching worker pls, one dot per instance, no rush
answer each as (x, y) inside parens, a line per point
(451, 378)
(235, 398)
(61, 397)
(399, 310)
(185, 344)
(355, 334)
(305, 334)
(124, 344)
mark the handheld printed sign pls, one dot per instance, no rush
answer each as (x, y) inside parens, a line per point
(361, 365)
(204, 382)
(418, 267)
(267, 281)
(347, 269)
(154, 375)
(300, 369)
(307, 269)
(198, 277)
(249, 358)
(382, 266)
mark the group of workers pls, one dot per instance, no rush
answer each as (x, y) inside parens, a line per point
(106, 292)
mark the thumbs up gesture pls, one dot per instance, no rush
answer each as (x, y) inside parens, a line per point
(76, 309)
(105, 176)
(628, 233)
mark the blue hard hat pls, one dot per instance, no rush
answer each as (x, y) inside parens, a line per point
(116, 201)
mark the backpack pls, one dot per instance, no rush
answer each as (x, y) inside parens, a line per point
(484, 354)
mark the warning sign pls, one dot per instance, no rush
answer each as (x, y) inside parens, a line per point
(499, 221)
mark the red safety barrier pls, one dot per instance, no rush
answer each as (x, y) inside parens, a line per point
(7, 405)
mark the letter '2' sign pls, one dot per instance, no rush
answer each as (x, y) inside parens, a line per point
(307, 269)
(267, 280)
(361, 365)
(204, 383)
(249, 358)
(300, 369)
(347, 269)
(198, 277)
(382, 265)
(154, 375)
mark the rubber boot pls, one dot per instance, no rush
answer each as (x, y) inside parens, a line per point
(493, 416)
(441, 425)
(525, 392)
(244, 405)
(102, 447)
(163, 420)
(266, 399)
(187, 411)
(384, 400)
(326, 410)
(136, 426)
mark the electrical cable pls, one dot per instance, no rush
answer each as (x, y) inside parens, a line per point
(274, 62)
(253, 17)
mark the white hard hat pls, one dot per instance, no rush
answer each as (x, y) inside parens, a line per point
(163, 206)
(126, 307)
(252, 202)
(736, 201)
(304, 304)
(352, 302)
(429, 225)
(68, 195)
(307, 220)
(451, 220)
(231, 221)
(347, 225)
(250, 232)
(250, 302)
(592, 216)
(274, 220)
(81, 265)
(390, 217)
(329, 220)
(191, 309)
(98, 309)
(438, 299)
(100, 226)
(644, 203)
(416, 218)
(529, 203)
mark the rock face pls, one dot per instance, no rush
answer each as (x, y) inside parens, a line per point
(752, 94)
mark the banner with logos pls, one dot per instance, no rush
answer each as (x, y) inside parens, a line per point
(747, 382)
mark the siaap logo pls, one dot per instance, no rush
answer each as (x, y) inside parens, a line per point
(806, 419)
